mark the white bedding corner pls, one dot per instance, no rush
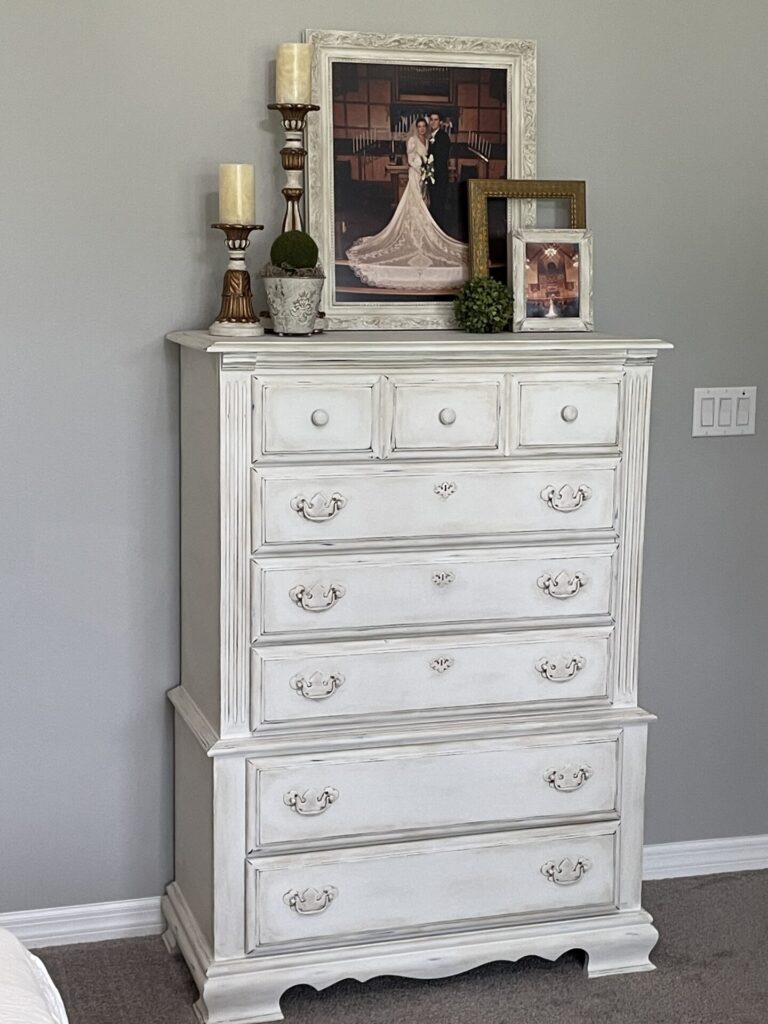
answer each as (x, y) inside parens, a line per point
(27, 994)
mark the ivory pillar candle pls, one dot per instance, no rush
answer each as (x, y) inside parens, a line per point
(292, 73)
(237, 204)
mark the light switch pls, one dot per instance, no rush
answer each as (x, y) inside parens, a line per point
(718, 411)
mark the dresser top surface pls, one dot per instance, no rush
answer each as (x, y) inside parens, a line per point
(366, 345)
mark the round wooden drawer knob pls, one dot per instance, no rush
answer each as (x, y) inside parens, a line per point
(569, 413)
(319, 417)
(447, 417)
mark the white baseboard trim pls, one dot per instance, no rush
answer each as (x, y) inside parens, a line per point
(705, 857)
(92, 922)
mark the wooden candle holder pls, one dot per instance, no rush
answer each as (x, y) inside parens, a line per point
(236, 317)
(293, 156)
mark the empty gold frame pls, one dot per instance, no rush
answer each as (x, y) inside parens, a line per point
(482, 189)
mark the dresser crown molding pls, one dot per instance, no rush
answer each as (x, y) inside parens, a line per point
(407, 731)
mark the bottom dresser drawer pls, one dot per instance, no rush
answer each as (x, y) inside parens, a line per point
(315, 897)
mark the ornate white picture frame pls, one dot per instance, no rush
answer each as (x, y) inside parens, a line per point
(552, 280)
(350, 300)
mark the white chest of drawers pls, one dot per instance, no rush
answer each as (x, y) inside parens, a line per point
(407, 733)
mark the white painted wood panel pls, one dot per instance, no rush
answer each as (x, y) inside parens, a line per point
(424, 788)
(317, 415)
(401, 888)
(303, 684)
(408, 502)
(351, 593)
(564, 414)
(445, 414)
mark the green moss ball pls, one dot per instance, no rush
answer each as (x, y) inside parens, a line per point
(294, 249)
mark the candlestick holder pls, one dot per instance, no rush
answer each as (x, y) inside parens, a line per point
(293, 156)
(236, 317)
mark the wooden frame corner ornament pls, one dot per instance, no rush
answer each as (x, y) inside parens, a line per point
(480, 190)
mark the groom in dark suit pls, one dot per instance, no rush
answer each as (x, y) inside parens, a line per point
(439, 148)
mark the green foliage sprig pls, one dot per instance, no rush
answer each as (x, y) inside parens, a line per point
(483, 306)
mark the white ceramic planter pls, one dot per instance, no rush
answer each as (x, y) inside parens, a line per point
(293, 303)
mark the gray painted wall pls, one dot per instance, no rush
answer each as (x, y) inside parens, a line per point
(114, 120)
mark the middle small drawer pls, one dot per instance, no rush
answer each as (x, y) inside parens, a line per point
(296, 506)
(432, 787)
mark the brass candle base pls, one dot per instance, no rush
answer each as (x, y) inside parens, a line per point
(237, 317)
(293, 156)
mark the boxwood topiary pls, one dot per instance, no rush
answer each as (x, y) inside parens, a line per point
(483, 306)
(294, 250)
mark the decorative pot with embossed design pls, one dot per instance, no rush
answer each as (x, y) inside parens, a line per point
(294, 301)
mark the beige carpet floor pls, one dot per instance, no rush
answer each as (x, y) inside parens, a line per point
(712, 963)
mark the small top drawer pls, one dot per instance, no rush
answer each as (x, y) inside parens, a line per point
(444, 415)
(316, 416)
(568, 413)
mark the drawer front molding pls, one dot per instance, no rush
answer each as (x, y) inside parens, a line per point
(406, 887)
(363, 680)
(398, 591)
(497, 781)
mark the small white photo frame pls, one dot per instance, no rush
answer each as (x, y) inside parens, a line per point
(552, 279)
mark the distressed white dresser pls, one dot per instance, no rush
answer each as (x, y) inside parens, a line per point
(407, 732)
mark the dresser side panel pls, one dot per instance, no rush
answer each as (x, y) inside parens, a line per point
(194, 827)
(200, 532)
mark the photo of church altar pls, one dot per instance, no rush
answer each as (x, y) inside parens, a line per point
(551, 279)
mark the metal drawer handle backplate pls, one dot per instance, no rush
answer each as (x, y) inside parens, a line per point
(311, 900)
(566, 498)
(318, 508)
(567, 872)
(568, 778)
(318, 597)
(311, 802)
(317, 686)
(562, 669)
(561, 586)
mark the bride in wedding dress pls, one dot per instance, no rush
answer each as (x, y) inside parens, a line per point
(412, 253)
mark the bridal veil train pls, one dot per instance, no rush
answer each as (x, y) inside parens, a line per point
(411, 253)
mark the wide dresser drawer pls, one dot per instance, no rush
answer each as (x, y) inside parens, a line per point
(432, 787)
(317, 683)
(311, 898)
(404, 503)
(399, 591)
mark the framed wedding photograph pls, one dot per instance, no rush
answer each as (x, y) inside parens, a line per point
(405, 122)
(552, 280)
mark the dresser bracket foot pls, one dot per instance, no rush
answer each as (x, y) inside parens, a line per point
(622, 953)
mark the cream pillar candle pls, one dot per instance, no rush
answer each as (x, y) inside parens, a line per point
(292, 73)
(237, 204)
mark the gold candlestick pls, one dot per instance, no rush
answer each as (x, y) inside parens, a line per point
(293, 156)
(236, 317)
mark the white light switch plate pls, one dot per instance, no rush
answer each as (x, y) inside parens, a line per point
(718, 411)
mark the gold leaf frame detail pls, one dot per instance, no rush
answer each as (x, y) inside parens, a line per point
(482, 189)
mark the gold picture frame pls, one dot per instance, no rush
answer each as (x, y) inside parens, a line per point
(480, 190)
